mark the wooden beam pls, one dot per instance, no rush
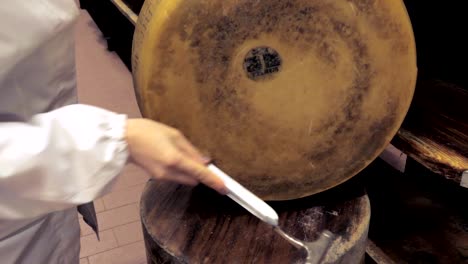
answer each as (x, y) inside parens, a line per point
(126, 11)
(435, 131)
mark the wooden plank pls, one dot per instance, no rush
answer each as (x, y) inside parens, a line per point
(435, 132)
(126, 11)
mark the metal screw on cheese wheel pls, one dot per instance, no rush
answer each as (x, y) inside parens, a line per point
(289, 97)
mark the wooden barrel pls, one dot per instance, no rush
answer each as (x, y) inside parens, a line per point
(196, 225)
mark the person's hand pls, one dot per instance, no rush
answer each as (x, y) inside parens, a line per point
(167, 155)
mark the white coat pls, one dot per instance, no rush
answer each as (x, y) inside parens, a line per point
(60, 156)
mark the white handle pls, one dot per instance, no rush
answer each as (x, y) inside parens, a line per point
(246, 199)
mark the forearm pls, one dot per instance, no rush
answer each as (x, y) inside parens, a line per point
(59, 159)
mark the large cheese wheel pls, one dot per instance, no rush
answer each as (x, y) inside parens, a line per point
(290, 97)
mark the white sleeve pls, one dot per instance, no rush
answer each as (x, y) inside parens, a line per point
(59, 159)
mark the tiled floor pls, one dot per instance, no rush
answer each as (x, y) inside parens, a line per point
(104, 81)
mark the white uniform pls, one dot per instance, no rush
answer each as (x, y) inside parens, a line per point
(64, 157)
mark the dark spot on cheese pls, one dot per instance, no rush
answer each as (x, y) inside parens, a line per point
(365, 6)
(343, 29)
(361, 83)
(378, 129)
(159, 88)
(322, 153)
